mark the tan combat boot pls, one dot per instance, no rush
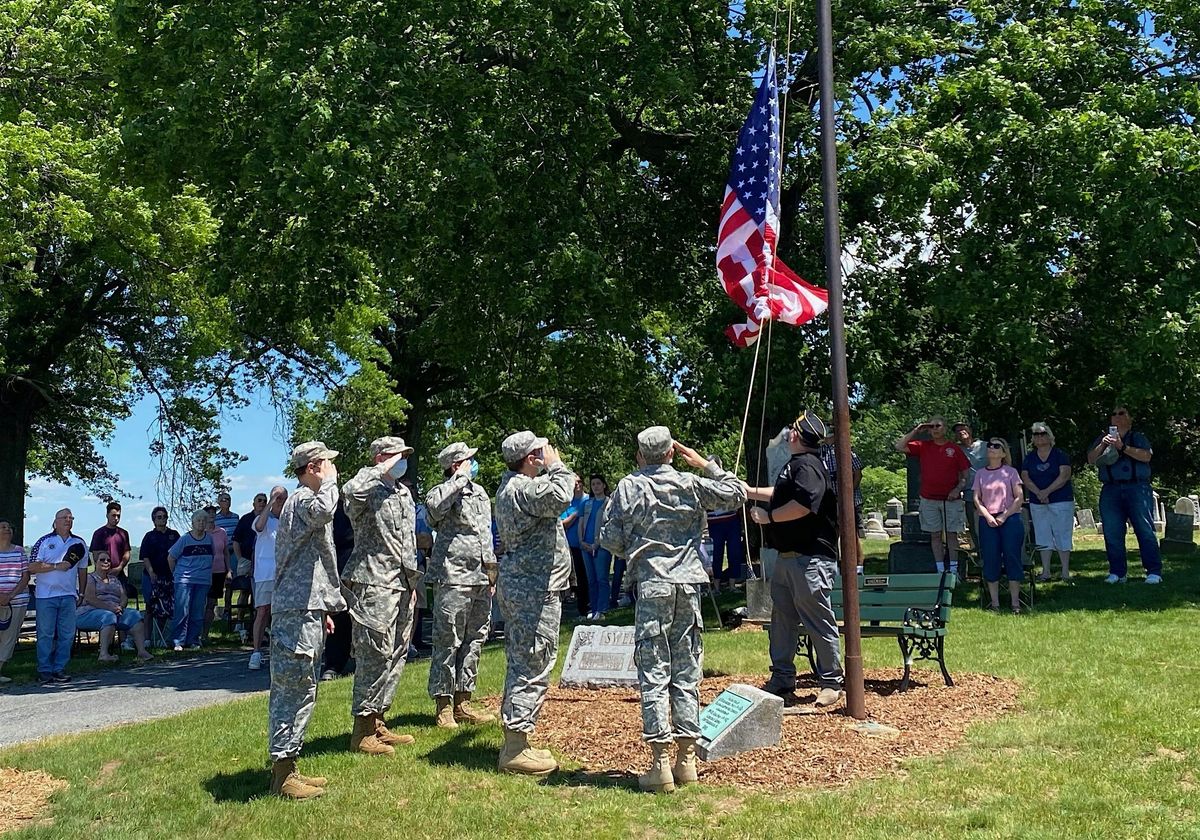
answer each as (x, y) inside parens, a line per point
(311, 781)
(684, 769)
(517, 757)
(285, 782)
(658, 778)
(445, 713)
(463, 713)
(363, 739)
(387, 736)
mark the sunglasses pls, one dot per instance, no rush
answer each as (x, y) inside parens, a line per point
(1037, 434)
(1121, 413)
(995, 446)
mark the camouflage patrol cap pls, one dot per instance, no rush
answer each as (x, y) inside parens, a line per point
(389, 446)
(654, 442)
(313, 450)
(519, 444)
(457, 451)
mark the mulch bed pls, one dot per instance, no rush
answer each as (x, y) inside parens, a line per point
(25, 796)
(601, 729)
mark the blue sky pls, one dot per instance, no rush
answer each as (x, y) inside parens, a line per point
(254, 431)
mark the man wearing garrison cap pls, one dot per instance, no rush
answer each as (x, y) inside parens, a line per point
(801, 523)
(380, 581)
(535, 573)
(655, 519)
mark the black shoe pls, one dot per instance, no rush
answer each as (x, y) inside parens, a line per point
(45, 679)
(777, 690)
(60, 677)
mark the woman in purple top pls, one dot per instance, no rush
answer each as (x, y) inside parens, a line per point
(105, 610)
(998, 501)
(1046, 473)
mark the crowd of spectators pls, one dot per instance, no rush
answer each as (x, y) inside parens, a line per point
(966, 485)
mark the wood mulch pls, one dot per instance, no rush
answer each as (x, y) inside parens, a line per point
(601, 730)
(25, 796)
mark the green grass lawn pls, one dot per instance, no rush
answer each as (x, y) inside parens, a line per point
(1105, 745)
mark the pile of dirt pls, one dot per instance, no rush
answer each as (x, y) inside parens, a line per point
(601, 729)
(25, 796)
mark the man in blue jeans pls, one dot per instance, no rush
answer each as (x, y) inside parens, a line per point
(58, 562)
(1123, 461)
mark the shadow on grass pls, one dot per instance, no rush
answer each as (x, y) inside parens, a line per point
(467, 748)
(585, 778)
(242, 786)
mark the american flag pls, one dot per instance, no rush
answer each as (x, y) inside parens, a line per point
(753, 277)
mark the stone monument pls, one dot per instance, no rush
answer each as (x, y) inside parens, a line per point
(913, 553)
(600, 657)
(1180, 524)
(758, 590)
(873, 527)
(741, 718)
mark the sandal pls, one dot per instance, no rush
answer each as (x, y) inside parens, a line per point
(1044, 578)
(108, 658)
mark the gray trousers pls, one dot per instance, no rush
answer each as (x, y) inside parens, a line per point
(297, 643)
(668, 649)
(462, 616)
(800, 597)
(380, 630)
(531, 623)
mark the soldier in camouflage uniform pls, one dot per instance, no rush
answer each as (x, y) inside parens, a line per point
(655, 519)
(306, 592)
(535, 573)
(463, 568)
(380, 581)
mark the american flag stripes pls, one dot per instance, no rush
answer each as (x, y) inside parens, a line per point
(753, 276)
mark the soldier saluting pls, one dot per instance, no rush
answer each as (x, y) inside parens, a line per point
(463, 568)
(380, 581)
(535, 573)
(306, 592)
(655, 519)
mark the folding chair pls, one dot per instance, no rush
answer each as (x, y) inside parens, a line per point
(160, 611)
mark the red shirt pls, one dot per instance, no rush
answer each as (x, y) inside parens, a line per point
(113, 540)
(941, 464)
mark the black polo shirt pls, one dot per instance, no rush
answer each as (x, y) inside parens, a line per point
(805, 480)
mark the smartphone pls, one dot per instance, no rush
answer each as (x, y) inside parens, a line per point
(1112, 430)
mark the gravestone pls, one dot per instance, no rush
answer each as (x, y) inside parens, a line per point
(895, 509)
(600, 657)
(758, 601)
(777, 453)
(874, 527)
(910, 529)
(1085, 518)
(741, 718)
(912, 472)
(1159, 511)
(1185, 505)
(1178, 537)
(1196, 503)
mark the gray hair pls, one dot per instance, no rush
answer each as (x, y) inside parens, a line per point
(1042, 427)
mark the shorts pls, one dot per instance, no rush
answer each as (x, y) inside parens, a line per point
(1054, 525)
(218, 584)
(938, 515)
(263, 590)
(241, 583)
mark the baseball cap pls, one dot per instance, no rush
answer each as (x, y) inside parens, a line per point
(390, 446)
(313, 450)
(457, 451)
(519, 444)
(654, 441)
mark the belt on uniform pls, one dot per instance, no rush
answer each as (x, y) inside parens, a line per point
(793, 555)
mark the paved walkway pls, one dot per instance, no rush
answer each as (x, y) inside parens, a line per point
(29, 712)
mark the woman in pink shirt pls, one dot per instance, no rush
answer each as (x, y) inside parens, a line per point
(998, 501)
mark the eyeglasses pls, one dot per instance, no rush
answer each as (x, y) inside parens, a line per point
(995, 446)
(1037, 434)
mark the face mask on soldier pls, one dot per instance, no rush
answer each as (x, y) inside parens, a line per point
(399, 468)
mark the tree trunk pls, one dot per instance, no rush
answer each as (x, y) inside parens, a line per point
(16, 421)
(413, 432)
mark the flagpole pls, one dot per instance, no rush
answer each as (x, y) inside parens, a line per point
(855, 700)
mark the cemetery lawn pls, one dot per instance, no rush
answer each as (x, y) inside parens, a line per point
(1106, 744)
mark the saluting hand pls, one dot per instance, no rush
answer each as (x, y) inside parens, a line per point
(689, 455)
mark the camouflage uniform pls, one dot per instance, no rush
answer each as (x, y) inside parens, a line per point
(461, 513)
(306, 589)
(533, 576)
(380, 581)
(655, 519)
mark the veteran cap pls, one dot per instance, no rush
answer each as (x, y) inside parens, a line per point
(811, 428)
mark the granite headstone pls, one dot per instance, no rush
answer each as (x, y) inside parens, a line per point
(600, 657)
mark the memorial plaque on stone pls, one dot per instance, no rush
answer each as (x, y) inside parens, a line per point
(741, 718)
(600, 657)
(895, 509)
(910, 529)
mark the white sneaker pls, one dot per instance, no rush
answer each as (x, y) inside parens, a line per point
(256, 661)
(1114, 579)
(127, 644)
(1153, 578)
(178, 648)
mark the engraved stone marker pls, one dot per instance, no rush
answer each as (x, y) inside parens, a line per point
(600, 657)
(741, 718)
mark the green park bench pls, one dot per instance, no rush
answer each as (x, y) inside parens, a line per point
(913, 608)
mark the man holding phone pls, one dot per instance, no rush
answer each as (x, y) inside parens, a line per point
(1122, 458)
